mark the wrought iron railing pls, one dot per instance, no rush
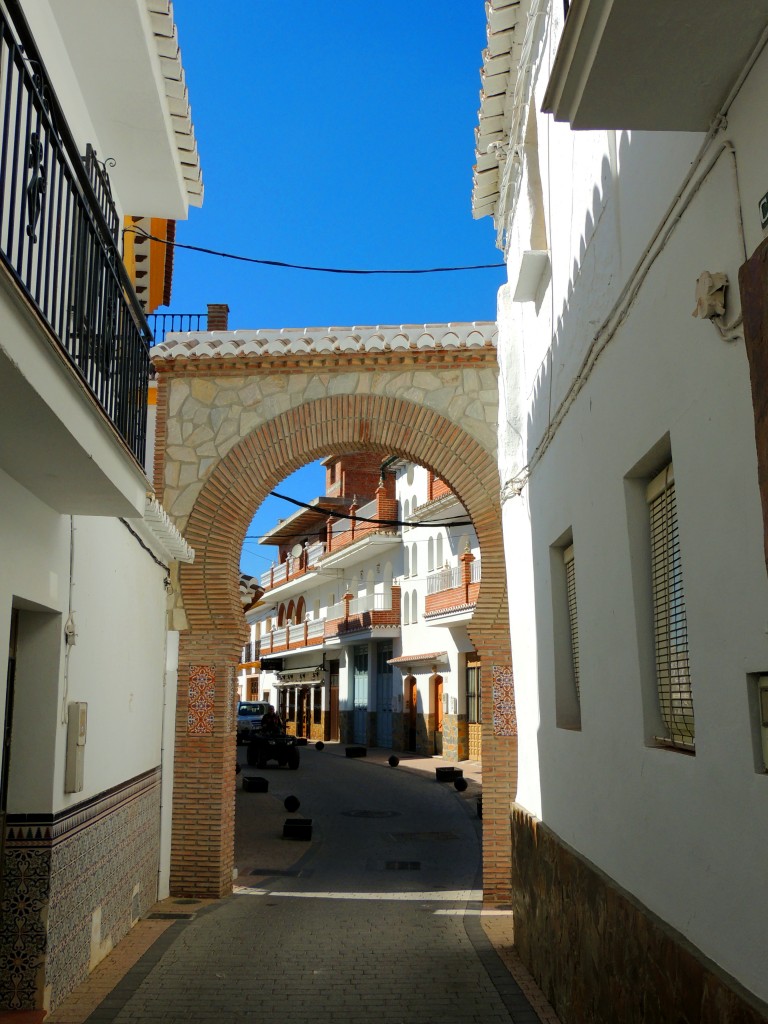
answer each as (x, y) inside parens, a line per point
(164, 323)
(444, 579)
(56, 240)
(99, 179)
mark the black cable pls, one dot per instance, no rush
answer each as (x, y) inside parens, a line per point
(364, 519)
(149, 551)
(301, 266)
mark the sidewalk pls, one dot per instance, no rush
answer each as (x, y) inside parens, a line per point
(259, 845)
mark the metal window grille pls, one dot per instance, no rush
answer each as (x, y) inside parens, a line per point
(317, 706)
(669, 619)
(573, 622)
(474, 709)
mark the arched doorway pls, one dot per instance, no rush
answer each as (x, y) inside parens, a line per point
(214, 512)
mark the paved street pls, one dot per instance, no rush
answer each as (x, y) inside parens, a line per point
(377, 918)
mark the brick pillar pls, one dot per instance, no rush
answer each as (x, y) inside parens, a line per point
(202, 853)
(352, 511)
(466, 573)
(386, 502)
(218, 316)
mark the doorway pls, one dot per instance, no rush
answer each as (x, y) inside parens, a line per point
(384, 695)
(412, 697)
(332, 721)
(5, 764)
(360, 695)
(437, 697)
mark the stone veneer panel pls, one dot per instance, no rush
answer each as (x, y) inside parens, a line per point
(599, 955)
(74, 884)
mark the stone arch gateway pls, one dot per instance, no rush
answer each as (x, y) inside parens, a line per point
(238, 412)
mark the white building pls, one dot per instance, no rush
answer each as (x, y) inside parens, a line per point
(86, 553)
(632, 517)
(361, 630)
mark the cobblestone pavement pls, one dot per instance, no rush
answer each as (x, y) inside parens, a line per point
(378, 917)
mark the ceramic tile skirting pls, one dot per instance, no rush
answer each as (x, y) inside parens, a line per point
(74, 884)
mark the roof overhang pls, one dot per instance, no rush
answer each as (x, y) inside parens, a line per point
(128, 66)
(652, 66)
(421, 661)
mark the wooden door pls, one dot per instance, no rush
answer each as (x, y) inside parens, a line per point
(437, 694)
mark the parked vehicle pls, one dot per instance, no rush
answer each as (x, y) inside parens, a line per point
(272, 745)
(249, 716)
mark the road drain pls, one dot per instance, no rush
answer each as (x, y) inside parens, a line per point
(402, 865)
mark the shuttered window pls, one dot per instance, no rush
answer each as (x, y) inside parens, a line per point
(670, 626)
(573, 622)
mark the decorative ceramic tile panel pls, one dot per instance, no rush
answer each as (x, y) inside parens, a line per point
(202, 692)
(61, 869)
(503, 695)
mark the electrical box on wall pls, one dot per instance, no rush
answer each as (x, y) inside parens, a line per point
(77, 728)
(762, 710)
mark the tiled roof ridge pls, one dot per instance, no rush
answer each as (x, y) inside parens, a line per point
(506, 78)
(306, 340)
(167, 42)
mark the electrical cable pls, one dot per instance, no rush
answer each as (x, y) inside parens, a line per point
(336, 514)
(301, 266)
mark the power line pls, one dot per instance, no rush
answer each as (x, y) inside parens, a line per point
(336, 514)
(301, 266)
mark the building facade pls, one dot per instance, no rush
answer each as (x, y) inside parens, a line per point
(360, 634)
(622, 159)
(86, 551)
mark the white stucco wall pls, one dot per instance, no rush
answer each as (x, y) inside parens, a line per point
(680, 832)
(117, 665)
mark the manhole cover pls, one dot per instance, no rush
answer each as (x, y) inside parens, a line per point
(371, 814)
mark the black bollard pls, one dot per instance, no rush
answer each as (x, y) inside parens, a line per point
(394, 761)
(460, 784)
(319, 745)
(291, 804)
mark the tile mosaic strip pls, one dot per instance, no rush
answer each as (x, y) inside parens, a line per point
(202, 692)
(503, 697)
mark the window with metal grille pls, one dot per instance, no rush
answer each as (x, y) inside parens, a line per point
(474, 708)
(670, 626)
(570, 587)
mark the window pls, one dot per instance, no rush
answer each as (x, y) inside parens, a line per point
(430, 555)
(570, 589)
(439, 558)
(406, 609)
(414, 560)
(670, 627)
(414, 608)
(565, 633)
(474, 706)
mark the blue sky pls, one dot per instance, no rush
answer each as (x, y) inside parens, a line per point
(334, 134)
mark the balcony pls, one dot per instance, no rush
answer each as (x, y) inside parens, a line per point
(74, 359)
(452, 592)
(653, 66)
(249, 655)
(353, 540)
(293, 570)
(352, 615)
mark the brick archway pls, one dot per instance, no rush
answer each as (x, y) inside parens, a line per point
(215, 523)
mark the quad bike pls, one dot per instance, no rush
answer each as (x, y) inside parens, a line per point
(272, 746)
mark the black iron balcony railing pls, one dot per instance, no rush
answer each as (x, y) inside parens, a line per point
(163, 323)
(56, 240)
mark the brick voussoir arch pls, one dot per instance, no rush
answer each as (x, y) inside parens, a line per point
(223, 511)
(203, 839)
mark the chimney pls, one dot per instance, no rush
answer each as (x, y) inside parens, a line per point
(218, 316)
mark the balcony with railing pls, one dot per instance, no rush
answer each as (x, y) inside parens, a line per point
(59, 251)
(250, 653)
(349, 616)
(294, 567)
(374, 523)
(453, 589)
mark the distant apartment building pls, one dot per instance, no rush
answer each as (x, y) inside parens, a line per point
(361, 633)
